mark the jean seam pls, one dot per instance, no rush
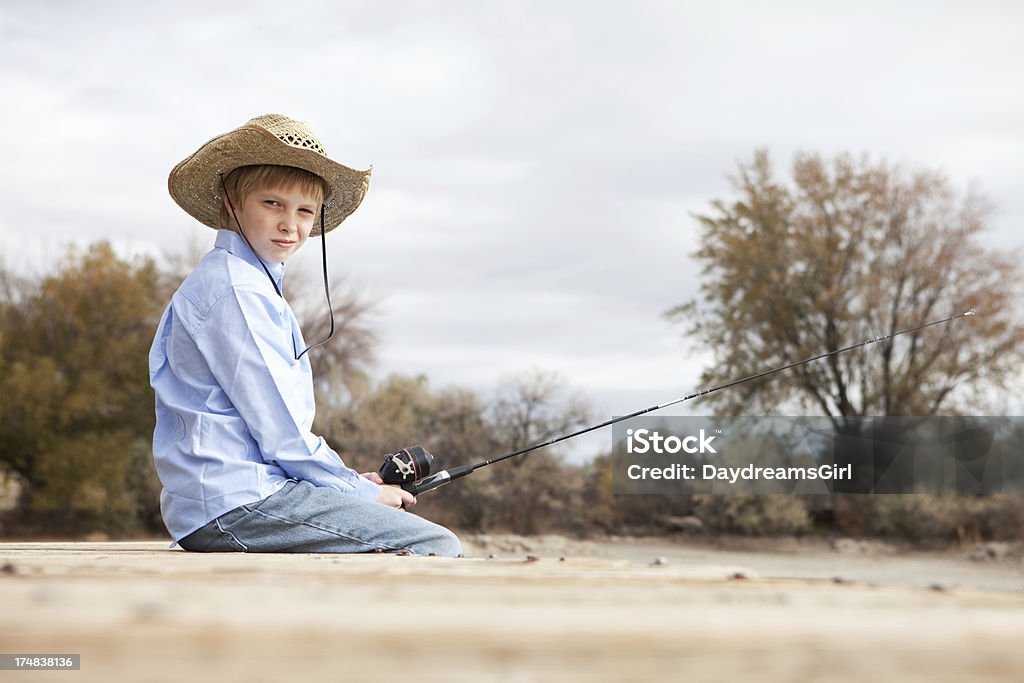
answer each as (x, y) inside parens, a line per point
(234, 538)
(334, 532)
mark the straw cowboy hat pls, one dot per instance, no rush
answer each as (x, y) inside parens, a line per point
(272, 139)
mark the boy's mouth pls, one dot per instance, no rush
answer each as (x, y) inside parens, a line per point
(284, 243)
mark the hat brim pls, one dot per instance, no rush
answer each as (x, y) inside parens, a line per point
(195, 182)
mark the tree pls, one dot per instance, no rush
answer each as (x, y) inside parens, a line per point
(537, 488)
(533, 407)
(76, 413)
(846, 251)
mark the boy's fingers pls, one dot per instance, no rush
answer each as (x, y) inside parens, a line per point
(396, 497)
(372, 476)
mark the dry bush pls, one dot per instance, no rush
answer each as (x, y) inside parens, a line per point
(752, 514)
(932, 517)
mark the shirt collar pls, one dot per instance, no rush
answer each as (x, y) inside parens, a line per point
(233, 243)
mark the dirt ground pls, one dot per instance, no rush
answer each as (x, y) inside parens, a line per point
(519, 609)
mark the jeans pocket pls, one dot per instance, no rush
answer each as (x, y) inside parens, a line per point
(233, 517)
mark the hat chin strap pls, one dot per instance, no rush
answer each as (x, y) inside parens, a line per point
(323, 249)
(327, 287)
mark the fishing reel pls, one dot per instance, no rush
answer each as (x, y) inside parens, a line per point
(406, 467)
(410, 469)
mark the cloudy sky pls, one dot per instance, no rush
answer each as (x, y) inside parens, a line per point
(537, 165)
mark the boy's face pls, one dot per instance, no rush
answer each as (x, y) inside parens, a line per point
(277, 221)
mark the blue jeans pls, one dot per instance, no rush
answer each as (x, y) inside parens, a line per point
(303, 518)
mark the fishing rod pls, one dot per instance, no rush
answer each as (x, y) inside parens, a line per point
(410, 467)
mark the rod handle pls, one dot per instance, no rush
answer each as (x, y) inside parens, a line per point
(437, 480)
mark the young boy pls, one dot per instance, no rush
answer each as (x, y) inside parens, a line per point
(241, 470)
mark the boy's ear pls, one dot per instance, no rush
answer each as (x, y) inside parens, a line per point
(227, 208)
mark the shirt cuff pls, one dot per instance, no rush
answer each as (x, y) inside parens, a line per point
(365, 488)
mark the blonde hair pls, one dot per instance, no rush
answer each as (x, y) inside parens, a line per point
(246, 179)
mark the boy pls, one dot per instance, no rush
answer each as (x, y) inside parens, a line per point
(234, 393)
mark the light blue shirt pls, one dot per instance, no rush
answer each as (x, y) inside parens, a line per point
(234, 408)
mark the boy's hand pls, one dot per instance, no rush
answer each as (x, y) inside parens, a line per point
(396, 497)
(392, 496)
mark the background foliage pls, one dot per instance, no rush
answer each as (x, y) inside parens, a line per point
(76, 413)
(840, 251)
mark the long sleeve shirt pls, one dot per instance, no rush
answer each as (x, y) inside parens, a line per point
(234, 408)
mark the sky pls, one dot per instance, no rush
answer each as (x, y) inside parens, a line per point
(537, 166)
